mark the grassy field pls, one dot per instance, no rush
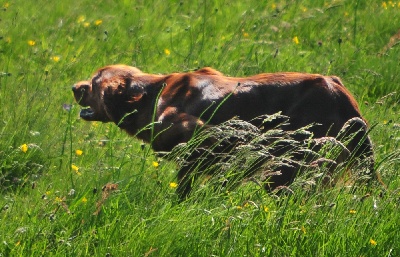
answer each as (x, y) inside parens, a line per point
(74, 188)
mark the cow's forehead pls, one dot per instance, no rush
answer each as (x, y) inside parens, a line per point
(114, 72)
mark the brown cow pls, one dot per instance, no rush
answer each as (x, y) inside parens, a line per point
(181, 103)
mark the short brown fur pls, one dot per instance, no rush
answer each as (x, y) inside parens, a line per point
(187, 101)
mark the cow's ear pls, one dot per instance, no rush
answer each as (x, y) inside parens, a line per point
(135, 92)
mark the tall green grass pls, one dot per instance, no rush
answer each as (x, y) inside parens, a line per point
(50, 209)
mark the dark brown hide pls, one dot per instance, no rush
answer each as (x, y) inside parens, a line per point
(184, 102)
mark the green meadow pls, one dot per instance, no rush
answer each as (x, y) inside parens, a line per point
(75, 188)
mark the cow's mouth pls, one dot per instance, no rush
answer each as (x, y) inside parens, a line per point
(90, 114)
(87, 114)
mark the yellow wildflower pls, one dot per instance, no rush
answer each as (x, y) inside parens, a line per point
(55, 58)
(76, 169)
(155, 164)
(167, 51)
(58, 200)
(266, 209)
(31, 42)
(245, 34)
(353, 211)
(384, 5)
(273, 6)
(81, 19)
(24, 148)
(84, 200)
(78, 152)
(48, 192)
(173, 185)
(8, 40)
(239, 207)
(372, 242)
(98, 22)
(86, 24)
(296, 40)
(6, 5)
(303, 229)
